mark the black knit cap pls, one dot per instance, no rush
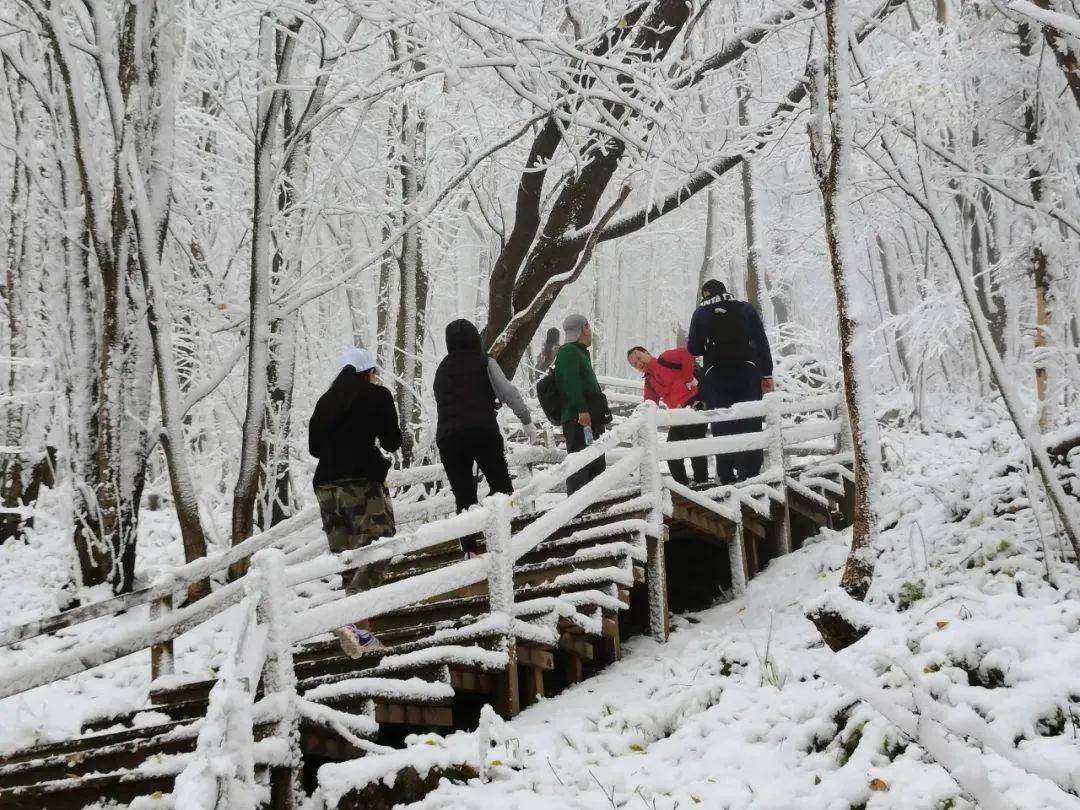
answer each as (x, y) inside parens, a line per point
(712, 288)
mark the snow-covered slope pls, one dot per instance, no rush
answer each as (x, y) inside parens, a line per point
(744, 708)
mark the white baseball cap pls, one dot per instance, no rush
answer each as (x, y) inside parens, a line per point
(360, 359)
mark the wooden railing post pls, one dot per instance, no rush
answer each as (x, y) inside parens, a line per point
(529, 504)
(652, 486)
(222, 768)
(278, 676)
(775, 458)
(162, 660)
(737, 553)
(500, 578)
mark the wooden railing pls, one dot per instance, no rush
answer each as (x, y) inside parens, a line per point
(270, 623)
(166, 585)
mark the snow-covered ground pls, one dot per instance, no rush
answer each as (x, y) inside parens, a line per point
(744, 707)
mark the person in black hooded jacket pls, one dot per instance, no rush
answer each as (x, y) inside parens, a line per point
(468, 386)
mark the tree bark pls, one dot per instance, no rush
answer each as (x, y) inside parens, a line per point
(1065, 54)
(532, 256)
(830, 137)
(755, 284)
(276, 54)
(1046, 380)
(412, 302)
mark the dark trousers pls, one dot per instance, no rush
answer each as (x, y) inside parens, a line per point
(461, 451)
(575, 440)
(700, 464)
(723, 387)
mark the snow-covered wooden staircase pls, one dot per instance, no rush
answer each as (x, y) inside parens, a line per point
(549, 601)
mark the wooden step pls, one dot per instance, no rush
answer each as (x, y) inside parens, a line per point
(96, 755)
(74, 794)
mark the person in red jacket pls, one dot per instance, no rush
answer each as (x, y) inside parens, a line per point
(671, 379)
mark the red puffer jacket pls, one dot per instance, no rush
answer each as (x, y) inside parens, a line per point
(670, 378)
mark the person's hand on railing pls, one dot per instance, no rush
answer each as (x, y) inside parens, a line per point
(530, 432)
(767, 385)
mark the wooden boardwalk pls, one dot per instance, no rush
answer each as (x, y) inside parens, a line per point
(550, 601)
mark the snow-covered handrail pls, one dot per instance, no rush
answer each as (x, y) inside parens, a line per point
(745, 410)
(620, 382)
(424, 537)
(368, 604)
(163, 629)
(574, 462)
(642, 458)
(430, 473)
(166, 584)
(220, 775)
(171, 581)
(106, 647)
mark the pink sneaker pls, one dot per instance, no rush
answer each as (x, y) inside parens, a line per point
(354, 641)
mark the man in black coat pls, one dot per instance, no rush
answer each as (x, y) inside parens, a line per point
(730, 338)
(350, 479)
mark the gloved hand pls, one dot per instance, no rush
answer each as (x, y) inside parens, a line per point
(530, 432)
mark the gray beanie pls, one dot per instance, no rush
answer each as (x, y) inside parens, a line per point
(573, 326)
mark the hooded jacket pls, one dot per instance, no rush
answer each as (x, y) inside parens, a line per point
(469, 385)
(347, 421)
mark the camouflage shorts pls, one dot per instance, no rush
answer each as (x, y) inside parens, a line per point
(354, 513)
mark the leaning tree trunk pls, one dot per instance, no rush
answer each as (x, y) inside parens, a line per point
(533, 255)
(830, 139)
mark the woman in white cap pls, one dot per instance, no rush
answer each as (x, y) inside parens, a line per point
(350, 479)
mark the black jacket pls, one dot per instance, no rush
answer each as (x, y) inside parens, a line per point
(464, 397)
(726, 332)
(348, 419)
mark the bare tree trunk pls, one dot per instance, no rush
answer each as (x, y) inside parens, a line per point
(11, 462)
(276, 53)
(1047, 382)
(755, 284)
(533, 255)
(708, 258)
(414, 282)
(830, 134)
(273, 502)
(983, 248)
(892, 298)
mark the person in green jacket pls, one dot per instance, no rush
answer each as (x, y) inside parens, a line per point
(584, 406)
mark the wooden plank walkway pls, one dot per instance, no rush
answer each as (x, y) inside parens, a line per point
(552, 615)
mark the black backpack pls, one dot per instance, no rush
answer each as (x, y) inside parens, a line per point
(727, 341)
(551, 397)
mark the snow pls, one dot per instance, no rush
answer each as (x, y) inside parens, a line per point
(409, 689)
(745, 708)
(1062, 22)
